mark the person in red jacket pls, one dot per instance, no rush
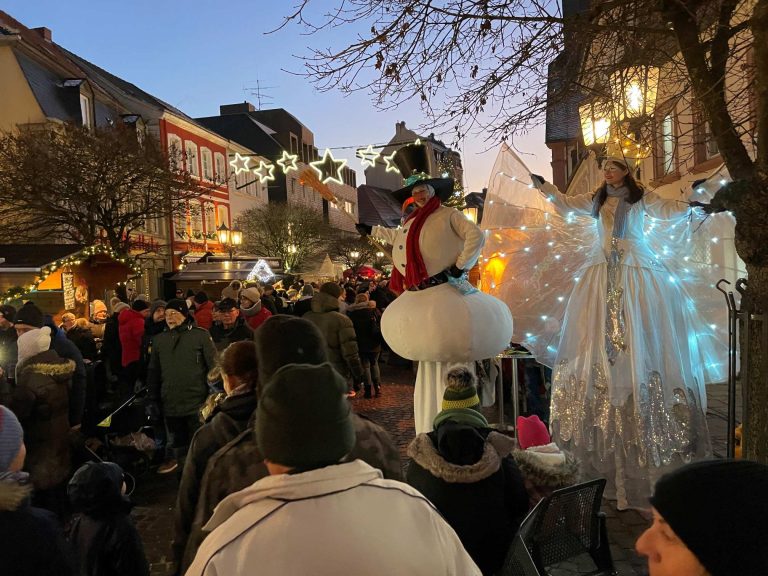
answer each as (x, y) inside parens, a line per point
(251, 308)
(131, 330)
(203, 310)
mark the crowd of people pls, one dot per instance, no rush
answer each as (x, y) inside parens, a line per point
(261, 432)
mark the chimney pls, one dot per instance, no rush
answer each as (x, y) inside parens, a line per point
(243, 108)
(399, 127)
(44, 32)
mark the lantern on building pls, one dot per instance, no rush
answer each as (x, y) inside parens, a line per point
(595, 117)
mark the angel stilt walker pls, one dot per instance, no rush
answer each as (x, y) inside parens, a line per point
(629, 348)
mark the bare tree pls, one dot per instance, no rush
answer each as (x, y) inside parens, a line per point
(351, 249)
(64, 182)
(291, 232)
(495, 66)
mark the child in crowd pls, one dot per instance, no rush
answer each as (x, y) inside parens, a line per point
(103, 533)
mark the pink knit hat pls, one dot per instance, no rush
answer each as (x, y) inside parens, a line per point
(531, 431)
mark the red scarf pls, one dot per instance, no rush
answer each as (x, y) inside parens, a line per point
(415, 269)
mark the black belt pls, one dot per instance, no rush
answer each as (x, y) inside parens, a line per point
(436, 280)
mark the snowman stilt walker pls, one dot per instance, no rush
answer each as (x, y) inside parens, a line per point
(439, 319)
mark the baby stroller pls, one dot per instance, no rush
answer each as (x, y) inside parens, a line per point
(123, 436)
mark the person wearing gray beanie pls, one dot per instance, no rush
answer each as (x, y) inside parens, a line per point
(710, 518)
(11, 442)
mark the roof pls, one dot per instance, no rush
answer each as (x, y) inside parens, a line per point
(246, 131)
(562, 110)
(377, 206)
(34, 255)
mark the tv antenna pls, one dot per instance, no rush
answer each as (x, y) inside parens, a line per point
(255, 88)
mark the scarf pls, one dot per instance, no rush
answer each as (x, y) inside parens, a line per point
(415, 269)
(620, 218)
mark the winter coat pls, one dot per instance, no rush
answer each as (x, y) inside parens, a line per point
(8, 351)
(545, 473)
(178, 369)
(485, 502)
(111, 347)
(83, 339)
(230, 418)
(41, 403)
(223, 337)
(240, 464)
(269, 302)
(204, 314)
(256, 315)
(385, 527)
(366, 325)
(131, 325)
(31, 539)
(103, 534)
(302, 306)
(67, 349)
(339, 334)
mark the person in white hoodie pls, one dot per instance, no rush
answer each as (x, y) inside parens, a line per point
(314, 515)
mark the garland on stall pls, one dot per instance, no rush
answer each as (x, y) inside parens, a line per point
(19, 292)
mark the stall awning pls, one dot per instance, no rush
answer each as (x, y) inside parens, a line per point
(222, 271)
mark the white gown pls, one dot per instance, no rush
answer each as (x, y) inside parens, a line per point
(629, 346)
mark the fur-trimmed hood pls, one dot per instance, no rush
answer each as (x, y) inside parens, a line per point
(358, 306)
(48, 363)
(424, 453)
(13, 491)
(322, 302)
(540, 471)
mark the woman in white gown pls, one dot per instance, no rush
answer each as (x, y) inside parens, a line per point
(628, 391)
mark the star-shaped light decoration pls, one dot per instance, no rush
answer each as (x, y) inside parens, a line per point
(390, 161)
(288, 162)
(265, 171)
(328, 168)
(240, 163)
(260, 271)
(367, 156)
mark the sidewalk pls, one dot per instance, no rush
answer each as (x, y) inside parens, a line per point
(155, 494)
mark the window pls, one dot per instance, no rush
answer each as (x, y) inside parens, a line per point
(174, 151)
(207, 161)
(711, 148)
(196, 217)
(210, 220)
(180, 226)
(294, 144)
(293, 185)
(221, 170)
(349, 207)
(223, 213)
(85, 110)
(668, 144)
(190, 150)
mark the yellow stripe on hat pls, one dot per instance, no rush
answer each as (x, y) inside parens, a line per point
(470, 402)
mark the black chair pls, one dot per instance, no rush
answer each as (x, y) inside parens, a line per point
(565, 526)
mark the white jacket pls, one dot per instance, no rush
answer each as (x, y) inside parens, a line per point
(342, 519)
(447, 238)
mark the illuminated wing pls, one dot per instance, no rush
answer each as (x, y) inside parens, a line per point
(533, 255)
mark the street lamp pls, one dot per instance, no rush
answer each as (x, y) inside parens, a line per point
(633, 91)
(229, 238)
(379, 254)
(354, 254)
(595, 119)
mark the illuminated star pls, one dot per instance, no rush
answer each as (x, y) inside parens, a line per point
(265, 171)
(367, 156)
(240, 163)
(417, 142)
(288, 162)
(329, 169)
(390, 161)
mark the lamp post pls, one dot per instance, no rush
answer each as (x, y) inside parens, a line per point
(618, 123)
(229, 238)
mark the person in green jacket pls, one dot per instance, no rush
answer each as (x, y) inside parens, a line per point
(181, 358)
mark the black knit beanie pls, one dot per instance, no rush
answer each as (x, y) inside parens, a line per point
(201, 297)
(284, 339)
(29, 315)
(719, 509)
(178, 305)
(303, 418)
(139, 305)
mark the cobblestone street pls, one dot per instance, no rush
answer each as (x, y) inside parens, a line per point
(155, 494)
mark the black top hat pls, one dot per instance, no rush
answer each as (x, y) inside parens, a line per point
(413, 164)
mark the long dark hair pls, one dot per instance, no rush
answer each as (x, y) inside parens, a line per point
(636, 191)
